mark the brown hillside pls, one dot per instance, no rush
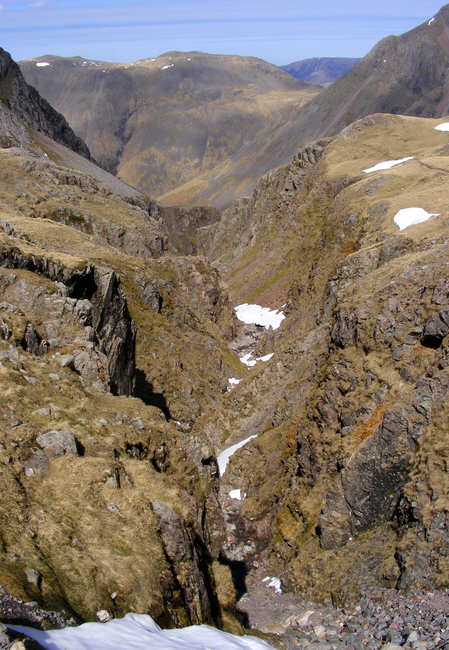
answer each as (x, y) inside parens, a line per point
(164, 122)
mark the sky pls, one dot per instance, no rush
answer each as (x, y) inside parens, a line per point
(279, 31)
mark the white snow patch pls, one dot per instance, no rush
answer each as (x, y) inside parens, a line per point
(444, 126)
(234, 381)
(387, 164)
(250, 362)
(247, 360)
(236, 494)
(167, 67)
(431, 21)
(257, 315)
(223, 458)
(411, 216)
(139, 632)
(273, 582)
(42, 64)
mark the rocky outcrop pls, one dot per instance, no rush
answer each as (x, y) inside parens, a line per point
(115, 331)
(94, 297)
(436, 329)
(98, 205)
(183, 224)
(58, 442)
(187, 567)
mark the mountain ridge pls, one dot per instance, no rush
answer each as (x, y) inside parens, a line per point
(162, 121)
(401, 74)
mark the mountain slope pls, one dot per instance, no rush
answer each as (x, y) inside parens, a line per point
(406, 74)
(158, 123)
(320, 70)
(402, 74)
(19, 101)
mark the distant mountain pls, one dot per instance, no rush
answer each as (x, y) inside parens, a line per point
(321, 70)
(407, 74)
(159, 123)
(192, 129)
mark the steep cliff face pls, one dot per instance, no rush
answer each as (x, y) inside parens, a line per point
(74, 457)
(404, 74)
(346, 457)
(22, 105)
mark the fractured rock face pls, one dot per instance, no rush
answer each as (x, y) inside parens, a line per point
(368, 490)
(183, 556)
(115, 330)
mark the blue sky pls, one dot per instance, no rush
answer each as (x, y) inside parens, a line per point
(280, 31)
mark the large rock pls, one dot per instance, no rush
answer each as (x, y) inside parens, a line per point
(115, 331)
(58, 442)
(436, 329)
(186, 563)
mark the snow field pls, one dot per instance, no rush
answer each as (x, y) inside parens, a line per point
(139, 632)
(257, 315)
(275, 583)
(387, 164)
(250, 362)
(411, 216)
